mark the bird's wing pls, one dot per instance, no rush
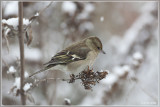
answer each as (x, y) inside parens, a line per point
(70, 55)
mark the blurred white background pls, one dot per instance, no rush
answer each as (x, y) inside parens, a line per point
(128, 31)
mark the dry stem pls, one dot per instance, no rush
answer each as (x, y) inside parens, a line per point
(21, 44)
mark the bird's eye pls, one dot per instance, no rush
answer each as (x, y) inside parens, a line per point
(98, 48)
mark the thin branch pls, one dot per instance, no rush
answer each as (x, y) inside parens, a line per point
(88, 78)
(21, 44)
(5, 63)
(33, 18)
(45, 8)
(7, 42)
(54, 93)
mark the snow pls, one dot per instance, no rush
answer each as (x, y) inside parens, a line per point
(133, 32)
(67, 100)
(89, 8)
(105, 71)
(17, 82)
(101, 93)
(137, 56)
(31, 54)
(118, 70)
(101, 18)
(26, 74)
(9, 10)
(7, 31)
(14, 22)
(148, 7)
(86, 26)
(126, 68)
(69, 7)
(83, 15)
(37, 14)
(135, 62)
(27, 86)
(110, 79)
(93, 98)
(121, 70)
(11, 70)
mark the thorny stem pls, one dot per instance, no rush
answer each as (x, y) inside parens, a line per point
(21, 44)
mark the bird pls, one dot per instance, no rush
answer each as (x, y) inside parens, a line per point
(76, 57)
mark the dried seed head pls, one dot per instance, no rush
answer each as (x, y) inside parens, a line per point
(88, 78)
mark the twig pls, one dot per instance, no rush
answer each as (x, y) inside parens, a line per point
(32, 19)
(45, 8)
(54, 96)
(87, 77)
(7, 42)
(6, 64)
(37, 81)
(67, 101)
(21, 44)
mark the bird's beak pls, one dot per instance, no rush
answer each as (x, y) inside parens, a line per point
(103, 51)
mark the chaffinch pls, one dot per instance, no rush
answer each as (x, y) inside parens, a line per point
(76, 57)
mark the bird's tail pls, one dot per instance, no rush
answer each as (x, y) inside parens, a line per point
(44, 69)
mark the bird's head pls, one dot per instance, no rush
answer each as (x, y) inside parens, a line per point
(94, 44)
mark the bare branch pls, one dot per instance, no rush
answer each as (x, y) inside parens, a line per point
(88, 78)
(45, 8)
(5, 63)
(21, 44)
(33, 18)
